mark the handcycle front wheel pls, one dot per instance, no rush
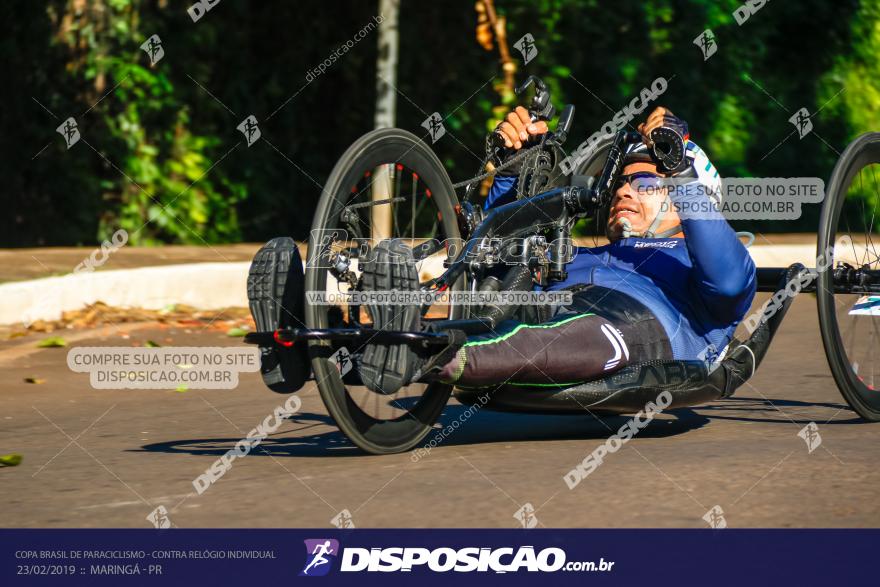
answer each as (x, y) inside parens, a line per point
(395, 167)
(848, 290)
(592, 230)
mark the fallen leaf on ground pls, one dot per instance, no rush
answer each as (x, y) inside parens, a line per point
(236, 332)
(10, 460)
(173, 315)
(35, 380)
(52, 341)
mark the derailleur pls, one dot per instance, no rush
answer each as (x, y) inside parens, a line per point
(340, 268)
(532, 252)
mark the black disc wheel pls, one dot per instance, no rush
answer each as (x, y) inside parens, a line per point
(848, 291)
(388, 184)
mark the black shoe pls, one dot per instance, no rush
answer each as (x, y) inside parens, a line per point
(275, 289)
(386, 368)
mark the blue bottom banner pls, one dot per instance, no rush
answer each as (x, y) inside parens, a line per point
(391, 557)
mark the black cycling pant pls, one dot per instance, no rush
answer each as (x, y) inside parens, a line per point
(600, 332)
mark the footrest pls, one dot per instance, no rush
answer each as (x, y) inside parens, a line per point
(286, 337)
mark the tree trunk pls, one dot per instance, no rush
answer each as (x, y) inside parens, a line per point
(386, 110)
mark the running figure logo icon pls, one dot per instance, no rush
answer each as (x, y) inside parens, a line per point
(526, 516)
(159, 518)
(250, 130)
(343, 520)
(706, 42)
(526, 46)
(715, 518)
(69, 131)
(801, 121)
(342, 358)
(320, 554)
(810, 435)
(153, 48)
(434, 124)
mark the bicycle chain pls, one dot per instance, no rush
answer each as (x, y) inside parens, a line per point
(509, 163)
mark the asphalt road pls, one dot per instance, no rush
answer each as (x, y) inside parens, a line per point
(95, 458)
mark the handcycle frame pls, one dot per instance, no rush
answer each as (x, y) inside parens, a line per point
(546, 208)
(560, 206)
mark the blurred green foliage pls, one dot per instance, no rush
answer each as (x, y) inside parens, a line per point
(161, 157)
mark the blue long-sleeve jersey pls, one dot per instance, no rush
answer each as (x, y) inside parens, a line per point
(699, 287)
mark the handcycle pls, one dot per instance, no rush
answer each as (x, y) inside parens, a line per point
(389, 184)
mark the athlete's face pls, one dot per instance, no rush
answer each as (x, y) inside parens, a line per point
(639, 204)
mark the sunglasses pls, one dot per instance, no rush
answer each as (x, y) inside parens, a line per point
(641, 180)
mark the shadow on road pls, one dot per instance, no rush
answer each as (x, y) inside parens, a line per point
(481, 427)
(757, 408)
(457, 427)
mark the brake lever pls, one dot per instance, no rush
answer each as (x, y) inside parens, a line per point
(563, 127)
(540, 109)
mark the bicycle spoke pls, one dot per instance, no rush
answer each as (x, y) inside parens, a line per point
(412, 219)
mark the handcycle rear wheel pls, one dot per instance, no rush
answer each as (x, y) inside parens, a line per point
(850, 335)
(395, 164)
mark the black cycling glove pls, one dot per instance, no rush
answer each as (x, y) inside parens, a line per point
(670, 150)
